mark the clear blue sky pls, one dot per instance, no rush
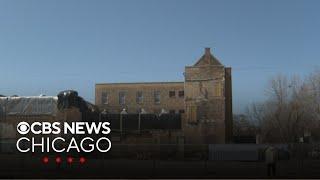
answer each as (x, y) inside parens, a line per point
(48, 46)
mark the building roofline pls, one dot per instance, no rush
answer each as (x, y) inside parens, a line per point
(29, 97)
(125, 83)
(192, 66)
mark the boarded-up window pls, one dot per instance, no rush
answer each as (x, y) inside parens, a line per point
(139, 97)
(181, 94)
(172, 94)
(122, 98)
(192, 114)
(104, 98)
(157, 97)
(217, 89)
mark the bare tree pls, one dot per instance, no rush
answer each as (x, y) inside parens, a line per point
(311, 102)
(289, 111)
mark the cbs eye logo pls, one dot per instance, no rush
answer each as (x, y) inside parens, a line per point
(23, 128)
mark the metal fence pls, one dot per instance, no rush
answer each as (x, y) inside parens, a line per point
(140, 122)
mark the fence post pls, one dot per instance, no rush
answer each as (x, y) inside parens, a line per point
(139, 123)
(154, 168)
(120, 125)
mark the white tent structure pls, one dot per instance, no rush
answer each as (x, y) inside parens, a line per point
(28, 105)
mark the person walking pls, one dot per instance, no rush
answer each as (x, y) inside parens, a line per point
(271, 160)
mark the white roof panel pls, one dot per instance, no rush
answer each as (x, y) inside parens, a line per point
(28, 105)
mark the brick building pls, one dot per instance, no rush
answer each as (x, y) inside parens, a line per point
(204, 99)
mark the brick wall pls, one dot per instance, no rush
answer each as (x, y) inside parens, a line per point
(148, 101)
(207, 101)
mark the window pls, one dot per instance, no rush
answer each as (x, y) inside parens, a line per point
(181, 94)
(172, 111)
(181, 111)
(122, 98)
(192, 114)
(172, 94)
(104, 98)
(218, 89)
(157, 97)
(139, 97)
